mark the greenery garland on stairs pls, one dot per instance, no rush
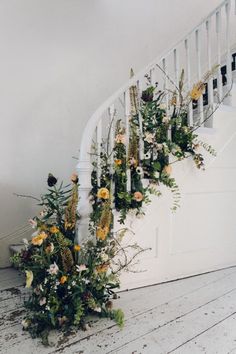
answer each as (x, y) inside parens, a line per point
(71, 281)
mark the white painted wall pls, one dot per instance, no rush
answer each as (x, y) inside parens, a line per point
(59, 60)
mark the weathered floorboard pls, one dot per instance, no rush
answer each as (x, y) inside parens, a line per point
(173, 317)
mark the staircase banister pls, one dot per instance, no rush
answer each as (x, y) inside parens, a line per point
(97, 115)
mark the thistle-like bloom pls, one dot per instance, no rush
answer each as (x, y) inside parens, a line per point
(103, 193)
(51, 180)
(29, 278)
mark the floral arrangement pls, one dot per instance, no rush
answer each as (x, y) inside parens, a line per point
(163, 139)
(70, 281)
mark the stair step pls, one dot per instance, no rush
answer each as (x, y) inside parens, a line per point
(16, 248)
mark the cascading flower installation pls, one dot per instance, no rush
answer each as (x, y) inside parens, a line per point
(68, 281)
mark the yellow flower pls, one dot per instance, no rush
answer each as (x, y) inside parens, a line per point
(77, 248)
(118, 162)
(103, 193)
(102, 232)
(54, 229)
(29, 278)
(167, 169)
(138, 196)
(102, 268)
(38, 240)
(63, 279)
(197, 91)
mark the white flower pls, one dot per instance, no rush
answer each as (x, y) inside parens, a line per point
(33, 223)
(149, 137)
(73, 283)
(159, 147)
(81, 267)
(25, 242)
(104, 257)
(165, 120)
(139, 170)
(157, 174)
(97, 309)
(147, 156)
(42, 301)
(53, 269)
(25, 323)
(68, 287)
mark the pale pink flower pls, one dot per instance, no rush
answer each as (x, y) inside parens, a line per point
(120, 139)
(42, 301)
(81, 268)
(53, 269)
(149, 137)
(33, 223)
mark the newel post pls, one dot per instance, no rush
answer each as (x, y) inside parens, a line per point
(84, 169)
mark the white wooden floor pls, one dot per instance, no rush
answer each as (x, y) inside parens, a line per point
(189, 316)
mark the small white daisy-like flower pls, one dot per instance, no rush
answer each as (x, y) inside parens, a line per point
(147, 156)
(157, 174)
(73, 283)
(139, 170)
(97, 309)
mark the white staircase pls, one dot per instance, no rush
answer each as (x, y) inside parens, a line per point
(201, 236)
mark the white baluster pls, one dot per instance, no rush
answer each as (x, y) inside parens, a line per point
(199, 73)
(176, 67)
(218, 38)
(210, 81)
(176, 73)
(140, 119)
(165, 88)
(127, 117)
(111, 113)
(99, 142)
(229, 57)
(190, 106)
